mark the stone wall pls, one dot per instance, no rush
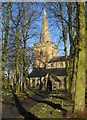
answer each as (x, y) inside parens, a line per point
(43, 52)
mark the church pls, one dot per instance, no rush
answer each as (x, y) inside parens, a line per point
(49, 69)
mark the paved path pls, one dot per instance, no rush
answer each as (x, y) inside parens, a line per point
(21, 107)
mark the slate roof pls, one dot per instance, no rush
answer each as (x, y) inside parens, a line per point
(57, 59)
(44, 72)
(38, 73)
(58, 71)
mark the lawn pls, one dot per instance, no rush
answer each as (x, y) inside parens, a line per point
(53, 106)
(7, 96)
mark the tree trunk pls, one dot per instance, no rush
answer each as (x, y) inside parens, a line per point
(17, 56)
(81, 73)
(86, 42)
(24, 66)
(5, 41)
(75, 62)
(64, 34)
(69, 79)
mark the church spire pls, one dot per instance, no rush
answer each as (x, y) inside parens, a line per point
(45, 34)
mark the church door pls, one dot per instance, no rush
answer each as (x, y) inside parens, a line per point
(49, 85)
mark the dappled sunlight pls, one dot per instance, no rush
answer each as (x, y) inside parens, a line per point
(27, 115)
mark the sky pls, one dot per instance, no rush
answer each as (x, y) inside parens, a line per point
(55, 33)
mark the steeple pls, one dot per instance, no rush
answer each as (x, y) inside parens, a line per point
(45, 34)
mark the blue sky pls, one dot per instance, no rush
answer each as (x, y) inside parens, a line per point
(55, 32)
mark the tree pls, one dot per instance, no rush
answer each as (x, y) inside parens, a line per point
(76, 33)
(75, 57)
(5, 41)
(86, 39)
(27, 24)
(64, 35)
(81, 72)
(24, 28)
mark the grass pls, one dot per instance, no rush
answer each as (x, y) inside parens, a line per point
(8, 95)
(20, 118)
(46, 110)
(42, 110)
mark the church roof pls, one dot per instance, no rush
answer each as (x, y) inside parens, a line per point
(58, 71)
(57, 59)
(44, 72)
(38, 73)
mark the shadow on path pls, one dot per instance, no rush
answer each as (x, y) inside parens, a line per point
(55, 106)
(40, 94)
(27, 115)
(60, 97)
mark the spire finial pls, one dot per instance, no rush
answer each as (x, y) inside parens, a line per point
(44, 10)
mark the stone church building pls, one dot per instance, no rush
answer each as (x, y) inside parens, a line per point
(48, 68)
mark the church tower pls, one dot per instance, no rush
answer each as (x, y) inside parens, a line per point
(45, 50)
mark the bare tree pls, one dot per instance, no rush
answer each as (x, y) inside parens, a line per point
(23, 27)
(5, 39)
